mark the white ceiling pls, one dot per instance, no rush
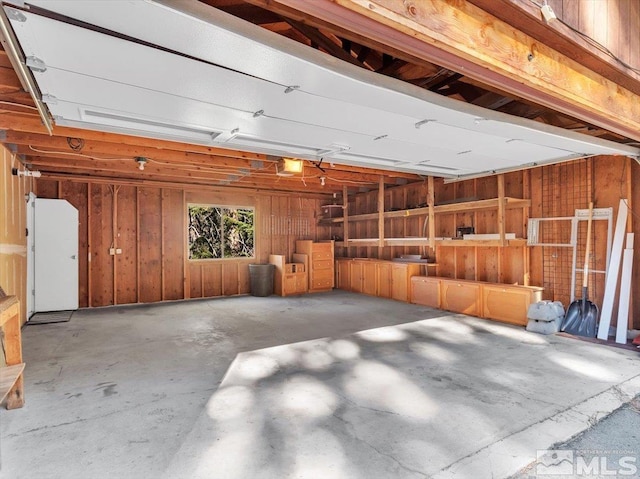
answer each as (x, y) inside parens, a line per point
(199, 75)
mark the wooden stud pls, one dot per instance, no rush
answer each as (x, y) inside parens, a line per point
(381, 213)
(162, 285)
(431, 211)
(185, 249)
(89, 247)
(137, 244)
(114, 241)
(501, 210)
(345, 215)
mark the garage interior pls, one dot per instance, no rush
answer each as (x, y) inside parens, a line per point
(417, 172)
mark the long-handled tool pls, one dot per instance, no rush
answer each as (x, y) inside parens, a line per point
(582, 314)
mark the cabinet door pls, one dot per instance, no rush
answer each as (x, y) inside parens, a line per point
(343, 278)
(301, 283)
(369, 281)
(289, 284)
(425, 291)
(356, 276)
(384, 280)
(399, 282)
(461, 297)
(508, 304)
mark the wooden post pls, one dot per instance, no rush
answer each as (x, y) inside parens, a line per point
(137, 244)
(501, 210)
(526, 194)
(162, 244)
(89, 223)
(114, 240)
(185, 249)
(380, 214)
(345, 214)
(431, 195)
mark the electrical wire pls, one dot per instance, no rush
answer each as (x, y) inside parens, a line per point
(58, 152)
(12, 103)
(594, 43)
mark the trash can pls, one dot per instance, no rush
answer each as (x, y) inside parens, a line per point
(261, 278)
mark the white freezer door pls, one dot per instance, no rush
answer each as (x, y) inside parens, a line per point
(56, 255)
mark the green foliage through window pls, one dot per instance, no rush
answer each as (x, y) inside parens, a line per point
(216, 232)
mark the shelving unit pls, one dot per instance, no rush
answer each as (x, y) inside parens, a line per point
(499, 204)
(11, 380)
(495, 256)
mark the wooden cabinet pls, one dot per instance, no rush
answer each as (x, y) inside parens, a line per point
(321, 269)
(425, 291)
(289, 278)
(11, 379)
(461, 297)
(401, 274)
(509, 303)
(375, 277)
(503, 302)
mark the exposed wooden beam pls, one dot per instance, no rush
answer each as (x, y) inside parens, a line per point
(525, 15)
(462, 37)
(325, 43)
(492, 100)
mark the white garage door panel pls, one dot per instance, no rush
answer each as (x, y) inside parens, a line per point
(246, 70)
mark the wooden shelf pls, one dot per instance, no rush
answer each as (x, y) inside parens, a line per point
(465, 206)
(425, 242)
(486, 243)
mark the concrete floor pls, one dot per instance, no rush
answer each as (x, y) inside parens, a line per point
(333, 385)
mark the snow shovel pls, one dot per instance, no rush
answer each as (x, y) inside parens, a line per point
(582, 314)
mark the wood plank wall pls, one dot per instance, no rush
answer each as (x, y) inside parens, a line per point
(613, 23)
(13, 240)
(149, 225)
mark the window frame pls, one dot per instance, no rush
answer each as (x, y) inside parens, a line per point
(222, 207)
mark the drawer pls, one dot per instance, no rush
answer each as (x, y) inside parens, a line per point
(321, 248)
(322, 264)
(321, 283)
(322, 274)
(321, 255)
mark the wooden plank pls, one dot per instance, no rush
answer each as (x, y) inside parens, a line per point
(174, 238)
(101, 261)
(381, 212)
(613, 270)
(431, 211)
(492, 203)
(89, 245)
(150, 254)
(345, 213)
(127, 233)
(625, 292)
(114, 241)
(501, 210)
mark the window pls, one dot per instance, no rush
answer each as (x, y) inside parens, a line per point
(217, 232)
